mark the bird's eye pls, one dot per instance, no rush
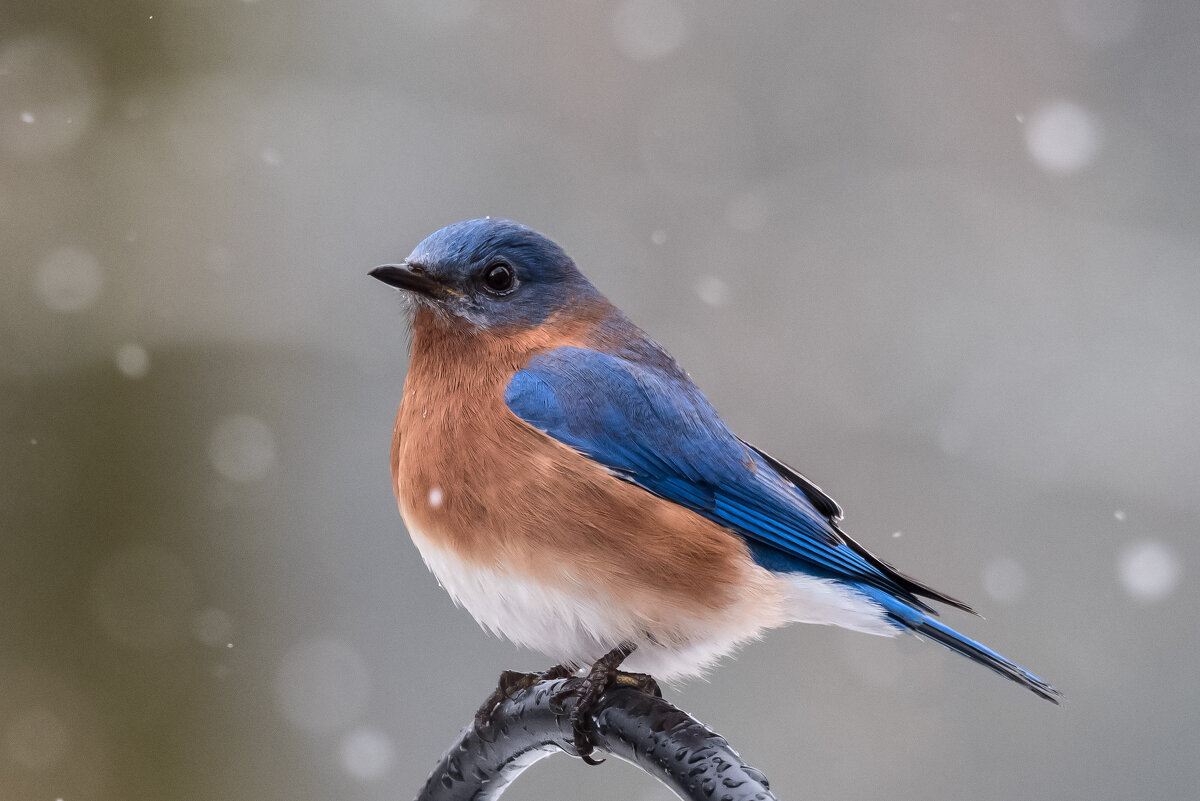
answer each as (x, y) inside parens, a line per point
(499, 277)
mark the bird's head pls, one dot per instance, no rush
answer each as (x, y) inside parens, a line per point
(492, 273)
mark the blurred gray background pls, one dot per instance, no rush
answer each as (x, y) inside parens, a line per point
(942, 256)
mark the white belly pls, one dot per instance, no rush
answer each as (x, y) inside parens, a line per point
(579, 627)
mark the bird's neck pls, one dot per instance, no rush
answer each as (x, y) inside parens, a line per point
(452, 349)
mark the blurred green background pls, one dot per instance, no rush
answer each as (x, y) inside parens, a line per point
(942, 256)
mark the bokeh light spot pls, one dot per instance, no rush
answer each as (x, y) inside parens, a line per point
(646, 30)
(132, 360)
(68, 280)
(712, 290)
(36, 739)
(1149, 571)
(321, 685)
(1063, 137)
(213, 627)
(366, 753)
(53, 83)
(241, 448)
(1004, 580)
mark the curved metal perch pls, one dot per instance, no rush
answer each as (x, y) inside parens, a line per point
(694, 761)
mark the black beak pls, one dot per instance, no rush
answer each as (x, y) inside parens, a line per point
(402, 276)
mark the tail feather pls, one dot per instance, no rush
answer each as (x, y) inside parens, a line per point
(986, 657)
(918, 622)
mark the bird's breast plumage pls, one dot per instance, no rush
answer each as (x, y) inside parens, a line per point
(481, 490)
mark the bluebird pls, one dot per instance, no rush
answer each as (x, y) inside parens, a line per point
(571, 487)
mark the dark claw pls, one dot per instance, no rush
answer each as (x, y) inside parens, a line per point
(603, 674)
(555, 703)
(512, 682)
(588, 759)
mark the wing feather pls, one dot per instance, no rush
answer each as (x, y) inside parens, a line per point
(652, 427)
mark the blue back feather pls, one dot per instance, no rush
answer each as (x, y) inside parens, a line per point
(649, 424)
(654, 428)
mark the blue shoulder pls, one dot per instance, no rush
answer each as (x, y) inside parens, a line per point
(631, 417)
(643, 419)
(653, 427)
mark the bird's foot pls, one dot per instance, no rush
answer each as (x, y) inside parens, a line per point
(603, 675)
(512, 682)
(639, 681)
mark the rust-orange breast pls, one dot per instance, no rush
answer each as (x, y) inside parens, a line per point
(473, 478)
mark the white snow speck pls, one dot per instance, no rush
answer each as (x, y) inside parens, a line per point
(49, 81)
(436, 497)
(1119, 515)
(212, 627)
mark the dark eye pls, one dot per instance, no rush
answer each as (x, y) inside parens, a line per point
(499, 277)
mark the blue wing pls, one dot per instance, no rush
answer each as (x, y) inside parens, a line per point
(650, 425)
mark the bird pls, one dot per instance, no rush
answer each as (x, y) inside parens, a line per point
(571, 487)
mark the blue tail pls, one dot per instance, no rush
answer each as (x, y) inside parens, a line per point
(919, 622)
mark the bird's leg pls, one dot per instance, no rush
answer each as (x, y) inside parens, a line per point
(511, 682)
(604, 674)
